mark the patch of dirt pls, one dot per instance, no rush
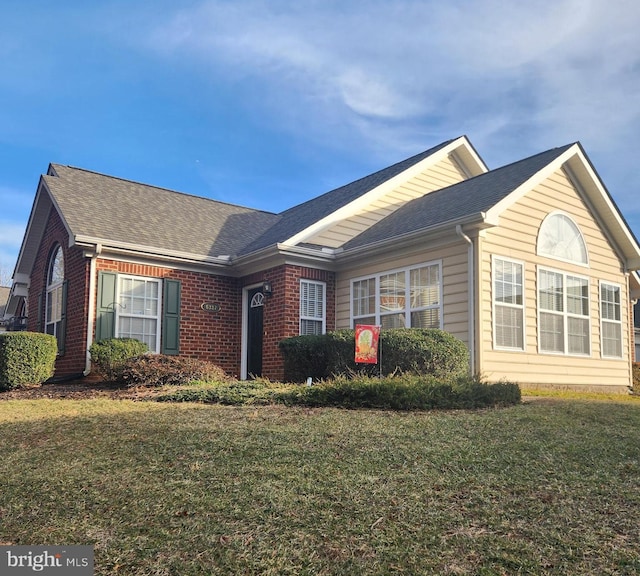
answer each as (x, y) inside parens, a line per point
(81, 389)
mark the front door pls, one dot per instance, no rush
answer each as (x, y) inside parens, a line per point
(254, 332)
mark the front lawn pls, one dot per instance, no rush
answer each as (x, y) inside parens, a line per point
(545, 487)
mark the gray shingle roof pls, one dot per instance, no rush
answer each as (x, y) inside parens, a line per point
(465, 199)
(100, 206)
(121, 211)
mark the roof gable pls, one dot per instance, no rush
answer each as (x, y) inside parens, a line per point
(160, 223)
(466, 202)
(300, 223)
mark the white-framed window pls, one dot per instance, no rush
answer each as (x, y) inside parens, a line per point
(560, 238)
(611, 320)
(363, 301)
(402, 298)
(563, 313)
(312, 307)
(55, 294)
(508, 304)
(138, 310)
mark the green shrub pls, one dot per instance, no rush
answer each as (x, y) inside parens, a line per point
(424, 351)
(110, 355)
(304, 356)
(402, 350)
(26, 359)
(404, 392)
(232, 392)
(161, 370)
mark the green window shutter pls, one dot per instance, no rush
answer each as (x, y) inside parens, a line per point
(171, 317)
(105, 312)
(62, 330)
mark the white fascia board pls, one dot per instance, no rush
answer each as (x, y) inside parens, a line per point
(585, 178)
(36, 208)
(20, 290)
(21, 278)
(384, 188)
(579, 170)
(148, 251)
(494, 212)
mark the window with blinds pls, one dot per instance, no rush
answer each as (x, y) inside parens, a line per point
(563, 306)
(312, 307)
(403, 298)
(508, 304)
(611, 320)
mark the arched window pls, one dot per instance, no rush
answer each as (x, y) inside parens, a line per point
(56, 297)
(561, 239)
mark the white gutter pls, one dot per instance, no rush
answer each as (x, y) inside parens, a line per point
(150, 251)
(92, 306)
(472, 307)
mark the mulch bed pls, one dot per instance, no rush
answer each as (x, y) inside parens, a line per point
(82, 389)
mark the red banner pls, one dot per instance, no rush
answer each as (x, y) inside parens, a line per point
(367, 338)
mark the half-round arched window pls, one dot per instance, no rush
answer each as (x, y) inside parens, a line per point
(560, 238)
(56, 267)
(56, 296)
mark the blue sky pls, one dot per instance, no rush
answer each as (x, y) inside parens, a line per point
(269, 103)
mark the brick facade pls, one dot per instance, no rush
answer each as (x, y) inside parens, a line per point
(282, 310)
(76, 271)
(213, 336)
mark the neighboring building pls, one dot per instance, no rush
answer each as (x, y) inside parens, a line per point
(528, 264)
(4, 296)
(636, 329)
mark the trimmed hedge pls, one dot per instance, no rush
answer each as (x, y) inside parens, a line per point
(26, 359)
(231, 393)
(161, 370)
(402, 350)
(406, 392)
(109, 355)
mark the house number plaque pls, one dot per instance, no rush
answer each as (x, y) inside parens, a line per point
(210, 307)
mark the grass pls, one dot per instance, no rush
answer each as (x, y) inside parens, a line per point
(546, 487)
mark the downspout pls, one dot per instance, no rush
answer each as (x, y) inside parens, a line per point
(472, 299)
(92, 306)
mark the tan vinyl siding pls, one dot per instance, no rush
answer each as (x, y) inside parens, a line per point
(455, 297)
(516, 238)
(442, 174)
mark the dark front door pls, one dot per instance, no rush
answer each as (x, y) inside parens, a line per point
(254, 333)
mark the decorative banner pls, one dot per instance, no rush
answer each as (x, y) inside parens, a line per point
(367, 343)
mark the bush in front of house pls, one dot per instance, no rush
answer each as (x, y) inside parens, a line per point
(424, 351)
(304, 356)
(164, 370)
(232, 392)
(26, 359)
(403, 392)
(109, 355)
(401, 350)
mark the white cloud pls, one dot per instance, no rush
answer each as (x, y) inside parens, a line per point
(516, 77)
